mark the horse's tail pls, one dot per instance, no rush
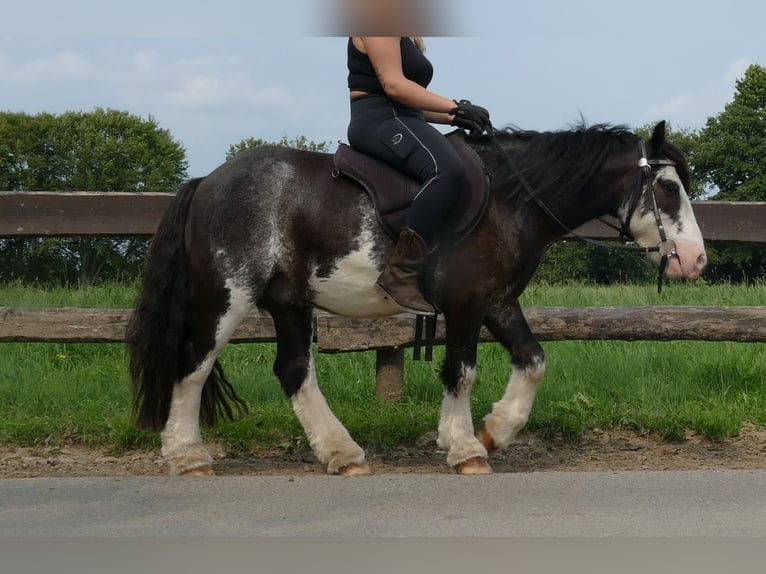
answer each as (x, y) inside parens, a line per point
(158, 332)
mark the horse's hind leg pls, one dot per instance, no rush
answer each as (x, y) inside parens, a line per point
(510, 414)
(294, 366)
(182, 444)
(181, 438)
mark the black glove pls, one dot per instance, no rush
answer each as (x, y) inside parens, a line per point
(470, 117)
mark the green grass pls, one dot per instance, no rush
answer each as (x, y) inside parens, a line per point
(109, 295)
(673, 293)
(54, 393)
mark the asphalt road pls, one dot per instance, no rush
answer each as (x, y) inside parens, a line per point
(619, 504)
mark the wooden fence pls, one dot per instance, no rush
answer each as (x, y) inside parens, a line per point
(33, 213)
(128, 214)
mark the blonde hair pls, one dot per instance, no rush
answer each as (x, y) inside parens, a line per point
(420, 43)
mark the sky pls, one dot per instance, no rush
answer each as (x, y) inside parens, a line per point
(215, 73)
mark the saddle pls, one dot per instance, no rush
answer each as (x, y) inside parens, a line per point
(392, 191)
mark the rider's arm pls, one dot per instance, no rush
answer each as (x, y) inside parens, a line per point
(386, 58)
(438, 117)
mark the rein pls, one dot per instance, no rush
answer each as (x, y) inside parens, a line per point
(666, 247)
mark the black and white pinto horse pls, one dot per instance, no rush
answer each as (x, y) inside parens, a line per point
(271, 228)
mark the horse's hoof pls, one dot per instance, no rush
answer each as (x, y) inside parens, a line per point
(355, 469)
(474, 466)
(205, 470)
(486, 440)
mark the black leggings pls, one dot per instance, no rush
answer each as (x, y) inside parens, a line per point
(400, 136)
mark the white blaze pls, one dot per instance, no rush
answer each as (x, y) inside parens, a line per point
(682, 230)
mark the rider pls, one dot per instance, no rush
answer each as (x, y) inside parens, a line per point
(390, 111)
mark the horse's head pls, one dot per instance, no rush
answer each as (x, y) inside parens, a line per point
(662, 215)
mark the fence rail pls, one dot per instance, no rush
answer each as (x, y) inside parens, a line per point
(389, 336)
(31, 214)
(335, 334)
(71, 213)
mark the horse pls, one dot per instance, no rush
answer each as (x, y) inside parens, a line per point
(272, 228)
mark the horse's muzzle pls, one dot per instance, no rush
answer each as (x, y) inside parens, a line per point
(688, 261)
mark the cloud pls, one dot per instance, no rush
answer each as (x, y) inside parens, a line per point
(145, 79)
(215, 89)
(691, 109)
(217, 82)
(59, 66)
(207, 95)
(676, 105)
(146, 62)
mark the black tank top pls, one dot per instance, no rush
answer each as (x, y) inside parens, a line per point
(362, 76)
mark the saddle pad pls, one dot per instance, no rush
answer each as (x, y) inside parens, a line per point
(392, 191)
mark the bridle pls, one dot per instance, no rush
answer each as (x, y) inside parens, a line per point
(666, 247)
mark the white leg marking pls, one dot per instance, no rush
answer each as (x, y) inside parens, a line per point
(511, 413)
(181, 437)
(329, 439)
(456, 434)
(240, 304)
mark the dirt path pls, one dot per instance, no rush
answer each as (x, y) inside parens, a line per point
(608, 451)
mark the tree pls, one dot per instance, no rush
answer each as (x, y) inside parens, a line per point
(102, 150)
(111, 150)
(731, 149)
(731, 156)
(26, 154)
(301, 142)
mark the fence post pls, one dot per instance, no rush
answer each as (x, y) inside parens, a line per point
(389, 374)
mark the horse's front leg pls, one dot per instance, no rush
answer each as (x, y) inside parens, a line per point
(507, 324)
(456, 432)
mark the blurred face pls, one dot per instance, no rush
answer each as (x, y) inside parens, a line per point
(389, 17)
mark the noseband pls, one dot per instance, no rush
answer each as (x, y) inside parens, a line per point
(666, 247)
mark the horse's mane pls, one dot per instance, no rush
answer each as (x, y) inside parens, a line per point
(557, 162)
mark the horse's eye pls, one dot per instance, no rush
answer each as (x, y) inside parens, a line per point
(670, 186)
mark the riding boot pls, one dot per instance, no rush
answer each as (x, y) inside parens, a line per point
(399, 280)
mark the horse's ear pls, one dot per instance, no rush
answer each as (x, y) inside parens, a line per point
(658, 136)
